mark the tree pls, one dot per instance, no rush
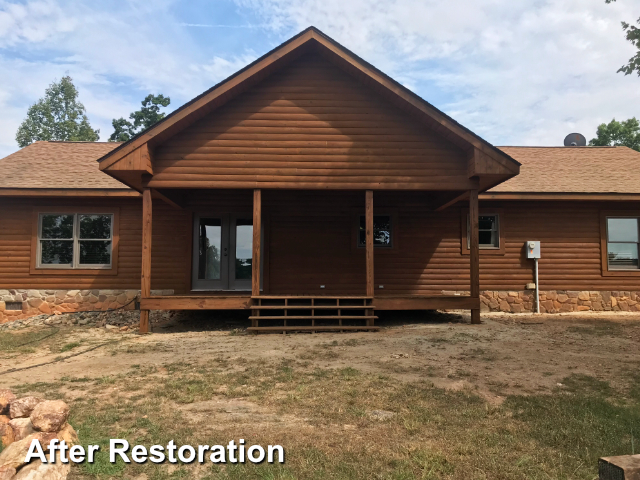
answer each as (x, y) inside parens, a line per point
(57, 116)
(633, 35)
(144, 118)
(625, 133)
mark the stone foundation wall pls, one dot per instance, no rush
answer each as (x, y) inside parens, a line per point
(560, 301)
(37, 302)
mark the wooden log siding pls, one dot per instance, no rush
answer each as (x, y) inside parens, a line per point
(309, 126)
(311, 242)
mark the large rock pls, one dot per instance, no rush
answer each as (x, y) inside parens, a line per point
(37, 470)
(22, 407)
(7, 473)
(6, 432)
(69, 435)
(14, 455)
(50, 415)
(6, 397)
(22, 428)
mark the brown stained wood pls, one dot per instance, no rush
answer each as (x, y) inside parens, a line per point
(310, 185)
(196, 302)
(310, 44)
(213, 98)
(315, 328)
(257, 249)
(144, 321)
(222, 151)
(147, 217)
(166, 199)
(307, 228)
(316, 317)
(474, 250)
(435, 302)
(370, 289)
(138, 160)
(459, 198)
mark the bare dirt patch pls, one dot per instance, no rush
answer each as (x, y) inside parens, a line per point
(427, 397)
(504, 355)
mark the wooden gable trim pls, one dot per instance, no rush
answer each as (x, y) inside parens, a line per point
(480, 163)
(255, 72)
(138, 160)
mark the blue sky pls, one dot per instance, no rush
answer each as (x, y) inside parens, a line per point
(517, 73)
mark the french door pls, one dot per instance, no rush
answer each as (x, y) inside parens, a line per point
(222, 252)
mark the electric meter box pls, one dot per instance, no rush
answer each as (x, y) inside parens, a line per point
(533, 248)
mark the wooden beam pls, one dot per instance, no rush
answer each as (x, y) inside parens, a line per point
(474, 251)
(368, 211)
(434, 302)
(145, 277)
(167, 199)
(203, 302)
(257, 227)
(459, 198)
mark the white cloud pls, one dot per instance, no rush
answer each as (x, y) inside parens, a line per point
(524, 72)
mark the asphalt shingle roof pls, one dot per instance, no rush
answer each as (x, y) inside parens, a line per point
(56, 165)
(573, 170)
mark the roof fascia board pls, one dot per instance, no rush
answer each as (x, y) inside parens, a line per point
(67, 192)
(617, 197)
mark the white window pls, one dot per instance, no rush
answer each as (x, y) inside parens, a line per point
(489, 231)
(75, 240)
(622, 243)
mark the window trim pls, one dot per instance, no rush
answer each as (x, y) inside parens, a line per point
(37, 269)
(500, 250)
(604, 237)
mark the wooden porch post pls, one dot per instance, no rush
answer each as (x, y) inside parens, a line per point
(368, 211)
(257, 228)
(474, 250)
(145, 278)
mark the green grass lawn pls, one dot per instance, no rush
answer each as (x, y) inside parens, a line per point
(327, 431)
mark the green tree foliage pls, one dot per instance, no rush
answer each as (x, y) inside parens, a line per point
(57, 116)
(142, 119)
(625, 133)
(633, 35)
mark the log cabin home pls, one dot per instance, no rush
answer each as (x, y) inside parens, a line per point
(312, 190)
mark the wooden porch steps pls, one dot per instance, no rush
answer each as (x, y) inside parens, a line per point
(289, 313)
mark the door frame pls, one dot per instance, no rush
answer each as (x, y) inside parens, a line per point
(227, 281)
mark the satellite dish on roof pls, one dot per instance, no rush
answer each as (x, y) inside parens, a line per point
(575, 140)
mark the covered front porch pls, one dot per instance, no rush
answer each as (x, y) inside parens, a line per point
(318, 260)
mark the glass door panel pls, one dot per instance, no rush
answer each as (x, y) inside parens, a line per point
(209, 252)
(210, 249)
(244, 249)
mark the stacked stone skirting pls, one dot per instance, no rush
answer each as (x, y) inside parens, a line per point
(560, 301)
(37, 302)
